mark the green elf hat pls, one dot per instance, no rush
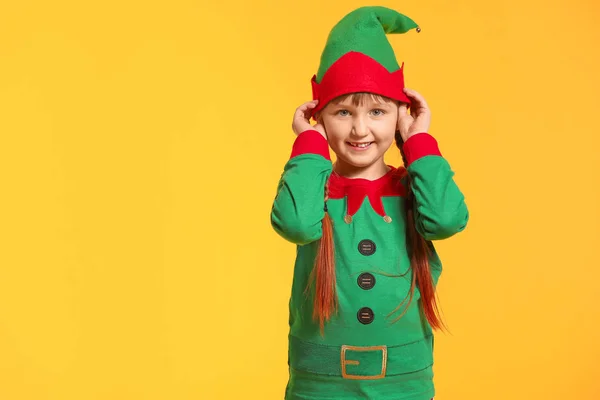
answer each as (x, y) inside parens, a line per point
(359, 58)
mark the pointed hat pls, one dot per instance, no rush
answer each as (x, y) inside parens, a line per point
(359, 58)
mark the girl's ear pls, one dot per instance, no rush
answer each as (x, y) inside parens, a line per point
(319, 120)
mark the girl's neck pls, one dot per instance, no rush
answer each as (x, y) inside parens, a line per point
(371, 172)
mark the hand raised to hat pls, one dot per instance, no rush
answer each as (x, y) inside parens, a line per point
(418, 120)
(301, 121)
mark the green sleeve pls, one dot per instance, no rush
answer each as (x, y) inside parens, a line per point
(440, 209)
(298, 208)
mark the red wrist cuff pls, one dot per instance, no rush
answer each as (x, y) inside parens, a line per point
(420, 145)
(310, 142)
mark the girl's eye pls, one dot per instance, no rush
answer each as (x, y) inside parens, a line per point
(378, 112)
(343, 113)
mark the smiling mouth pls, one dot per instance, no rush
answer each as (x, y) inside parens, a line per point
(363, 145)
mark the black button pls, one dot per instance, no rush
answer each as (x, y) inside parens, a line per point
(365, 315)
(366, 247)
(366, 281)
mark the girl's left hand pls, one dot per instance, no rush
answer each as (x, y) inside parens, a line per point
(418, 120)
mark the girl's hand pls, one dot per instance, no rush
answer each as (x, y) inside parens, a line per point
(418, 120)
(301, 121)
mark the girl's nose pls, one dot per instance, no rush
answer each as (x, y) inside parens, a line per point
(359, 127)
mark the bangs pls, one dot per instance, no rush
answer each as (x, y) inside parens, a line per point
(358, 99)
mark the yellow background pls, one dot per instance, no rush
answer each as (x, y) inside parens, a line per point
(140, 147)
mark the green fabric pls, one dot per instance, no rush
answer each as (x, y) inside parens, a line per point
(364, 31)
(441, 210)
(298, 210)
(325, 360)
(297, 214)
(414, 386)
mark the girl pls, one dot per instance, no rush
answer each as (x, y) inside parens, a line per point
(363, 307)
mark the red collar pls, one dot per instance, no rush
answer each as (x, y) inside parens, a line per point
(356, 189)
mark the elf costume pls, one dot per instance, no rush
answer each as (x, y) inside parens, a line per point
(364, 351)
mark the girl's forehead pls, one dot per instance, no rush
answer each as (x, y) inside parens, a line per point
(364, 100)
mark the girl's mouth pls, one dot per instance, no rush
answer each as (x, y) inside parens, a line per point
(360, 146)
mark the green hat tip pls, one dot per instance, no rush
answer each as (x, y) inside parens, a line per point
(364, 30)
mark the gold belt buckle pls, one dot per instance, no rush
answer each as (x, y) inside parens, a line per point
(346, 362)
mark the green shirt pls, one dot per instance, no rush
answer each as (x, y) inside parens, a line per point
(390, 358)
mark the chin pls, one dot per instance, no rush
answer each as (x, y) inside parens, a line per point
(361, 161)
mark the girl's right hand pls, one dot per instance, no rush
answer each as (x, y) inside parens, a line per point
(301, 121)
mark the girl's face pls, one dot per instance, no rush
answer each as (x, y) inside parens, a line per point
(360, 128)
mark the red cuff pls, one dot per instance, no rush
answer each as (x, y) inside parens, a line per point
(420, 145)
(310, 142)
